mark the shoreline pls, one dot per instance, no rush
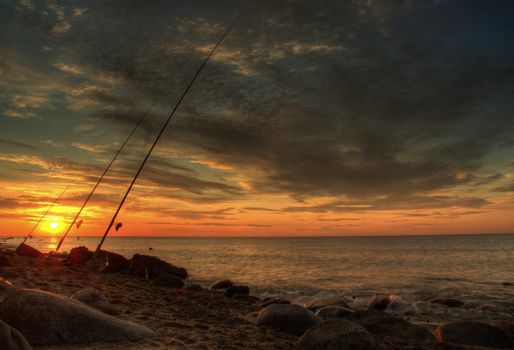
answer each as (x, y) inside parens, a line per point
(191, 317)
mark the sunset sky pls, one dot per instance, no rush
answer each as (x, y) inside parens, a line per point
(348, 117)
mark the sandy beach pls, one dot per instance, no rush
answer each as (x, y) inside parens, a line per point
(191, 317)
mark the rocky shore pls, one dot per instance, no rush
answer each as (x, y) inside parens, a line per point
(83, 300)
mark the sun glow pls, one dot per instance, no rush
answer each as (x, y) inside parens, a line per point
(54, 225)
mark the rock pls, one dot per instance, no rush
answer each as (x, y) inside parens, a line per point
(5, 285)
(222, 284)
(379, 323)
(473, 333)
(80, 255)
(268, 301)
(108, 262)
(378, 302)
(151, 267)
(4, 261)
(26, 250)
(327, 301)
(170, 281)
(337, 334)
(231, 291)
(449, 302)
(11, 339)
(292, 319)
(333, 312)
(507, 327)
(94, 298)
(51, 319)
(252, 316)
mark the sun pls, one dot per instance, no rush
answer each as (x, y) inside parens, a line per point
(54, 225)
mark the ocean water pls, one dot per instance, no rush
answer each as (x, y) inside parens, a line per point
(411, 271)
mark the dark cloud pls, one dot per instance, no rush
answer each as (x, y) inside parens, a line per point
(346, 99)
(16, 144)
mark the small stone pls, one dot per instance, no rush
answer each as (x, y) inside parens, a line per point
(473, 333)
(333, 312)
(11, 339)
(379, 302)
(231, 291)
(337, 334)
(222, 284)
(292, 319)
(5, 285)
(194, 288)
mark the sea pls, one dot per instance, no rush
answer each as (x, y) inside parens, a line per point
(409, 271)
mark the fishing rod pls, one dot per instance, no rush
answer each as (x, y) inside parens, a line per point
(103, 175)
(44, 216)
(162, 130)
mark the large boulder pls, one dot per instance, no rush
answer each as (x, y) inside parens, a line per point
(473, 333)
(379, 323)
(337, 334)
(26, 250)
(272, 300)
(51, 319)
(80, 255)
(327, 301)
(507, 327)
(222, 284)
(108, 262)
(292, 319)
(11, 339)
(170, 281)
(151, 267)
(94, 298)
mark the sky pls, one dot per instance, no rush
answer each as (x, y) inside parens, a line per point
(313, 118)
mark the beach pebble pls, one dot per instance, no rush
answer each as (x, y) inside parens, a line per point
(94, 298)
(79, 255)
(292, 319)
(11, 339)
(50, 319)
(327, 301)
(333, 311)
(232, 291)
(379, 323)
(108, 262)
(7, 272)
(449, 302)
(194, 288)
(151, 267)
(26, 250)
(473, 333)
(222, 284)
(336, 334)
(378, 302)
(170, 281)
(5, 285)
